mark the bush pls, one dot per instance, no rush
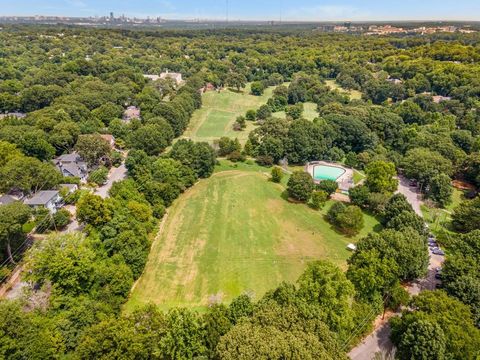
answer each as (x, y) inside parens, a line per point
(99, 176)
(329, 186)
(236, 156)
(318, 200)
(264, 160)
(117, 158)
(359, 195)
(62, 218)
(47, 221)
(251, 115)
(277, 174)
(300, 186)
(227, 146)
(240, 123)
(336, 209)
(263, 112)
(257, 88)
(350, 221)
(295, 111)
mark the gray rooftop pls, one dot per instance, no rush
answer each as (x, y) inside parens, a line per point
(72, 157)
(41, 197)
(7, 199)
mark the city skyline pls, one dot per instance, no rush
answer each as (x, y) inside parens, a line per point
(287, 10)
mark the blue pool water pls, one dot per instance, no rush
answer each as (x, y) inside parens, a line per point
(325, 172)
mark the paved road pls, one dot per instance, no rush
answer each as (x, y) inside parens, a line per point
(412, 194)
(116, 174)
(379, 339)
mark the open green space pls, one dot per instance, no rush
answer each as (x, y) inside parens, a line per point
(235, 233)
(439, 219)
(354, 94)
(219, 112)
(309, 112)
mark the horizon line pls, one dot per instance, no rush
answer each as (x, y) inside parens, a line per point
(219, 19)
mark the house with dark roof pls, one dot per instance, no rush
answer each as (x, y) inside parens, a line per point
(72, 165)
(49, 199)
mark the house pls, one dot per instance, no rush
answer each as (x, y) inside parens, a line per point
(151, 77)
(7, 199)
(18, 115)
(131, 113)
(395, 81)
(49, 199)
(177, 77)
(109, 138)
(72, 165)
(438, 99)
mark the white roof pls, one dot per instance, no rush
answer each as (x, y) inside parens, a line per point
(352, 247)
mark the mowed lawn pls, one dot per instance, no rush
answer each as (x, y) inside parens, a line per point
(354, 94)
(219, 112)
(309, 112)
(234, 233)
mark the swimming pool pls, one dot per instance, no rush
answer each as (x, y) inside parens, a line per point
(325, 172)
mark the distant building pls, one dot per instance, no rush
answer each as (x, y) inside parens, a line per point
(18, 115)
(151, 77)
(49, 199)
(131, 113)
(437, 99)
(177, 77)
(72, 165)
(395, 81)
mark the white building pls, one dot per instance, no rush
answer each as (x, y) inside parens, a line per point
(49, 199)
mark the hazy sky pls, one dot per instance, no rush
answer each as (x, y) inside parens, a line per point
(254, 9)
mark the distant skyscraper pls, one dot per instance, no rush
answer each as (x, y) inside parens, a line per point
(111, 15)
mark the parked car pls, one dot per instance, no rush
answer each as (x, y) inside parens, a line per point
(438, 251)
(413, 182)
(438, 276)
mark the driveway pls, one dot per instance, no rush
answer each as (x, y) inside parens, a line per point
(115, 174)
(379, 339)
(412, 194)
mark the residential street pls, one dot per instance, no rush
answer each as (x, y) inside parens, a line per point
(14, 288)
(379, 339)
(116, 174)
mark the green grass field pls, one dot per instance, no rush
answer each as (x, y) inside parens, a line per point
(220, 110)
(309, 112)
(354, 94)
(439, 219)
(234, 233)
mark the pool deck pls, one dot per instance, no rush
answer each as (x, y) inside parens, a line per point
(345, 181)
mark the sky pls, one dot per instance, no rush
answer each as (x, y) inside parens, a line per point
(293, 10)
